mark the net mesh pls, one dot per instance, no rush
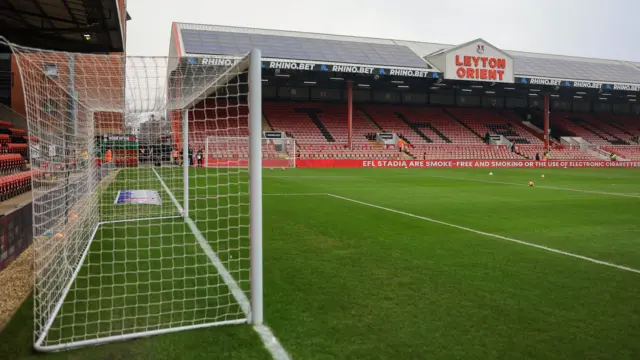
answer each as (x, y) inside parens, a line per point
(229, 151)
(128, 241)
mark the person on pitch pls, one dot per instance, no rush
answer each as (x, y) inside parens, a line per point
(175, 156)
(200, 157)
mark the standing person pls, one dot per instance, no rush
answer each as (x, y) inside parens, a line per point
(85, 158)
(108, 155)
(106, 165)
(175, 156)
(190, 156)
(200, 157)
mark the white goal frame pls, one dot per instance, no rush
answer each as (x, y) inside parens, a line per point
(252, 306)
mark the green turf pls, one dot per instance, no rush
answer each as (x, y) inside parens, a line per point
(346, 280)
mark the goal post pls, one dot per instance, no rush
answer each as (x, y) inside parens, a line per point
(133, 242)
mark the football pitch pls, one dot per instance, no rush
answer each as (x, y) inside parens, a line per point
(397, 264)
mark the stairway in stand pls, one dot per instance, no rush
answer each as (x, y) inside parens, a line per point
(413, 127)
(316, 120)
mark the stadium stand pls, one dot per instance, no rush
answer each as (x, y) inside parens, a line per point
(386, 116)
(466, 152)
(559, 152)
(482, 121)
(14, 180)
(320, 130)
(625, 152)
(360, 151)
(217, 117)
(284, 117)
(580, 126)
(619, 134)
(627, 124)
(239, 149)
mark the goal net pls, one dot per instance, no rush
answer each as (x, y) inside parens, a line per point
(131, 238)
(226, 151)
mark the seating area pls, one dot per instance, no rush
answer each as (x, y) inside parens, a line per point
(579, 125)
(556, 153)
(624, 152)
(13, 152)
(239, 149)
(361, 151)
(333, 117)
(10, 163)
(630, 124)
(294, 119)
(215, 117)
(284, 117)
(465, 152)
(599, 122)
(385, 116)
(440, 120)
(15, 184)
(320, 131)
(483, 121)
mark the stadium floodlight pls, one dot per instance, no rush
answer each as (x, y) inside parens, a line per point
(130, 239)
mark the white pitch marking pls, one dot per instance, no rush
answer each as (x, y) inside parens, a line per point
(621, 267)
(539, 186)
(296, 194)
(311, 176)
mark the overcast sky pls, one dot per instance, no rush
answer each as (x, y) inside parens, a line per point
(591, 28)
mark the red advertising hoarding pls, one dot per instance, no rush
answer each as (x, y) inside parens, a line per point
(275, 163)
(335, 163)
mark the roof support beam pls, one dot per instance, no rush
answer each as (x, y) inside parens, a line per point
(97, 7)
(68, 8)
(45, 16)
(38, 31)
(16, 12)
(19, 13)
(52, 42)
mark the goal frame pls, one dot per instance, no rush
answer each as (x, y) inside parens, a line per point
(253, 307)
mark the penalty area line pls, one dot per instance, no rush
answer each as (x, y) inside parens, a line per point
(495, 236)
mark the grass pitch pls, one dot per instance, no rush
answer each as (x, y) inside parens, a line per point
(388, 276)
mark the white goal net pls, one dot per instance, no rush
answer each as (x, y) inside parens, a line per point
(228, 151)
(132, 238)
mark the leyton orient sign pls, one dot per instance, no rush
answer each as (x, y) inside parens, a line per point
(476, 60)
(479, 61)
